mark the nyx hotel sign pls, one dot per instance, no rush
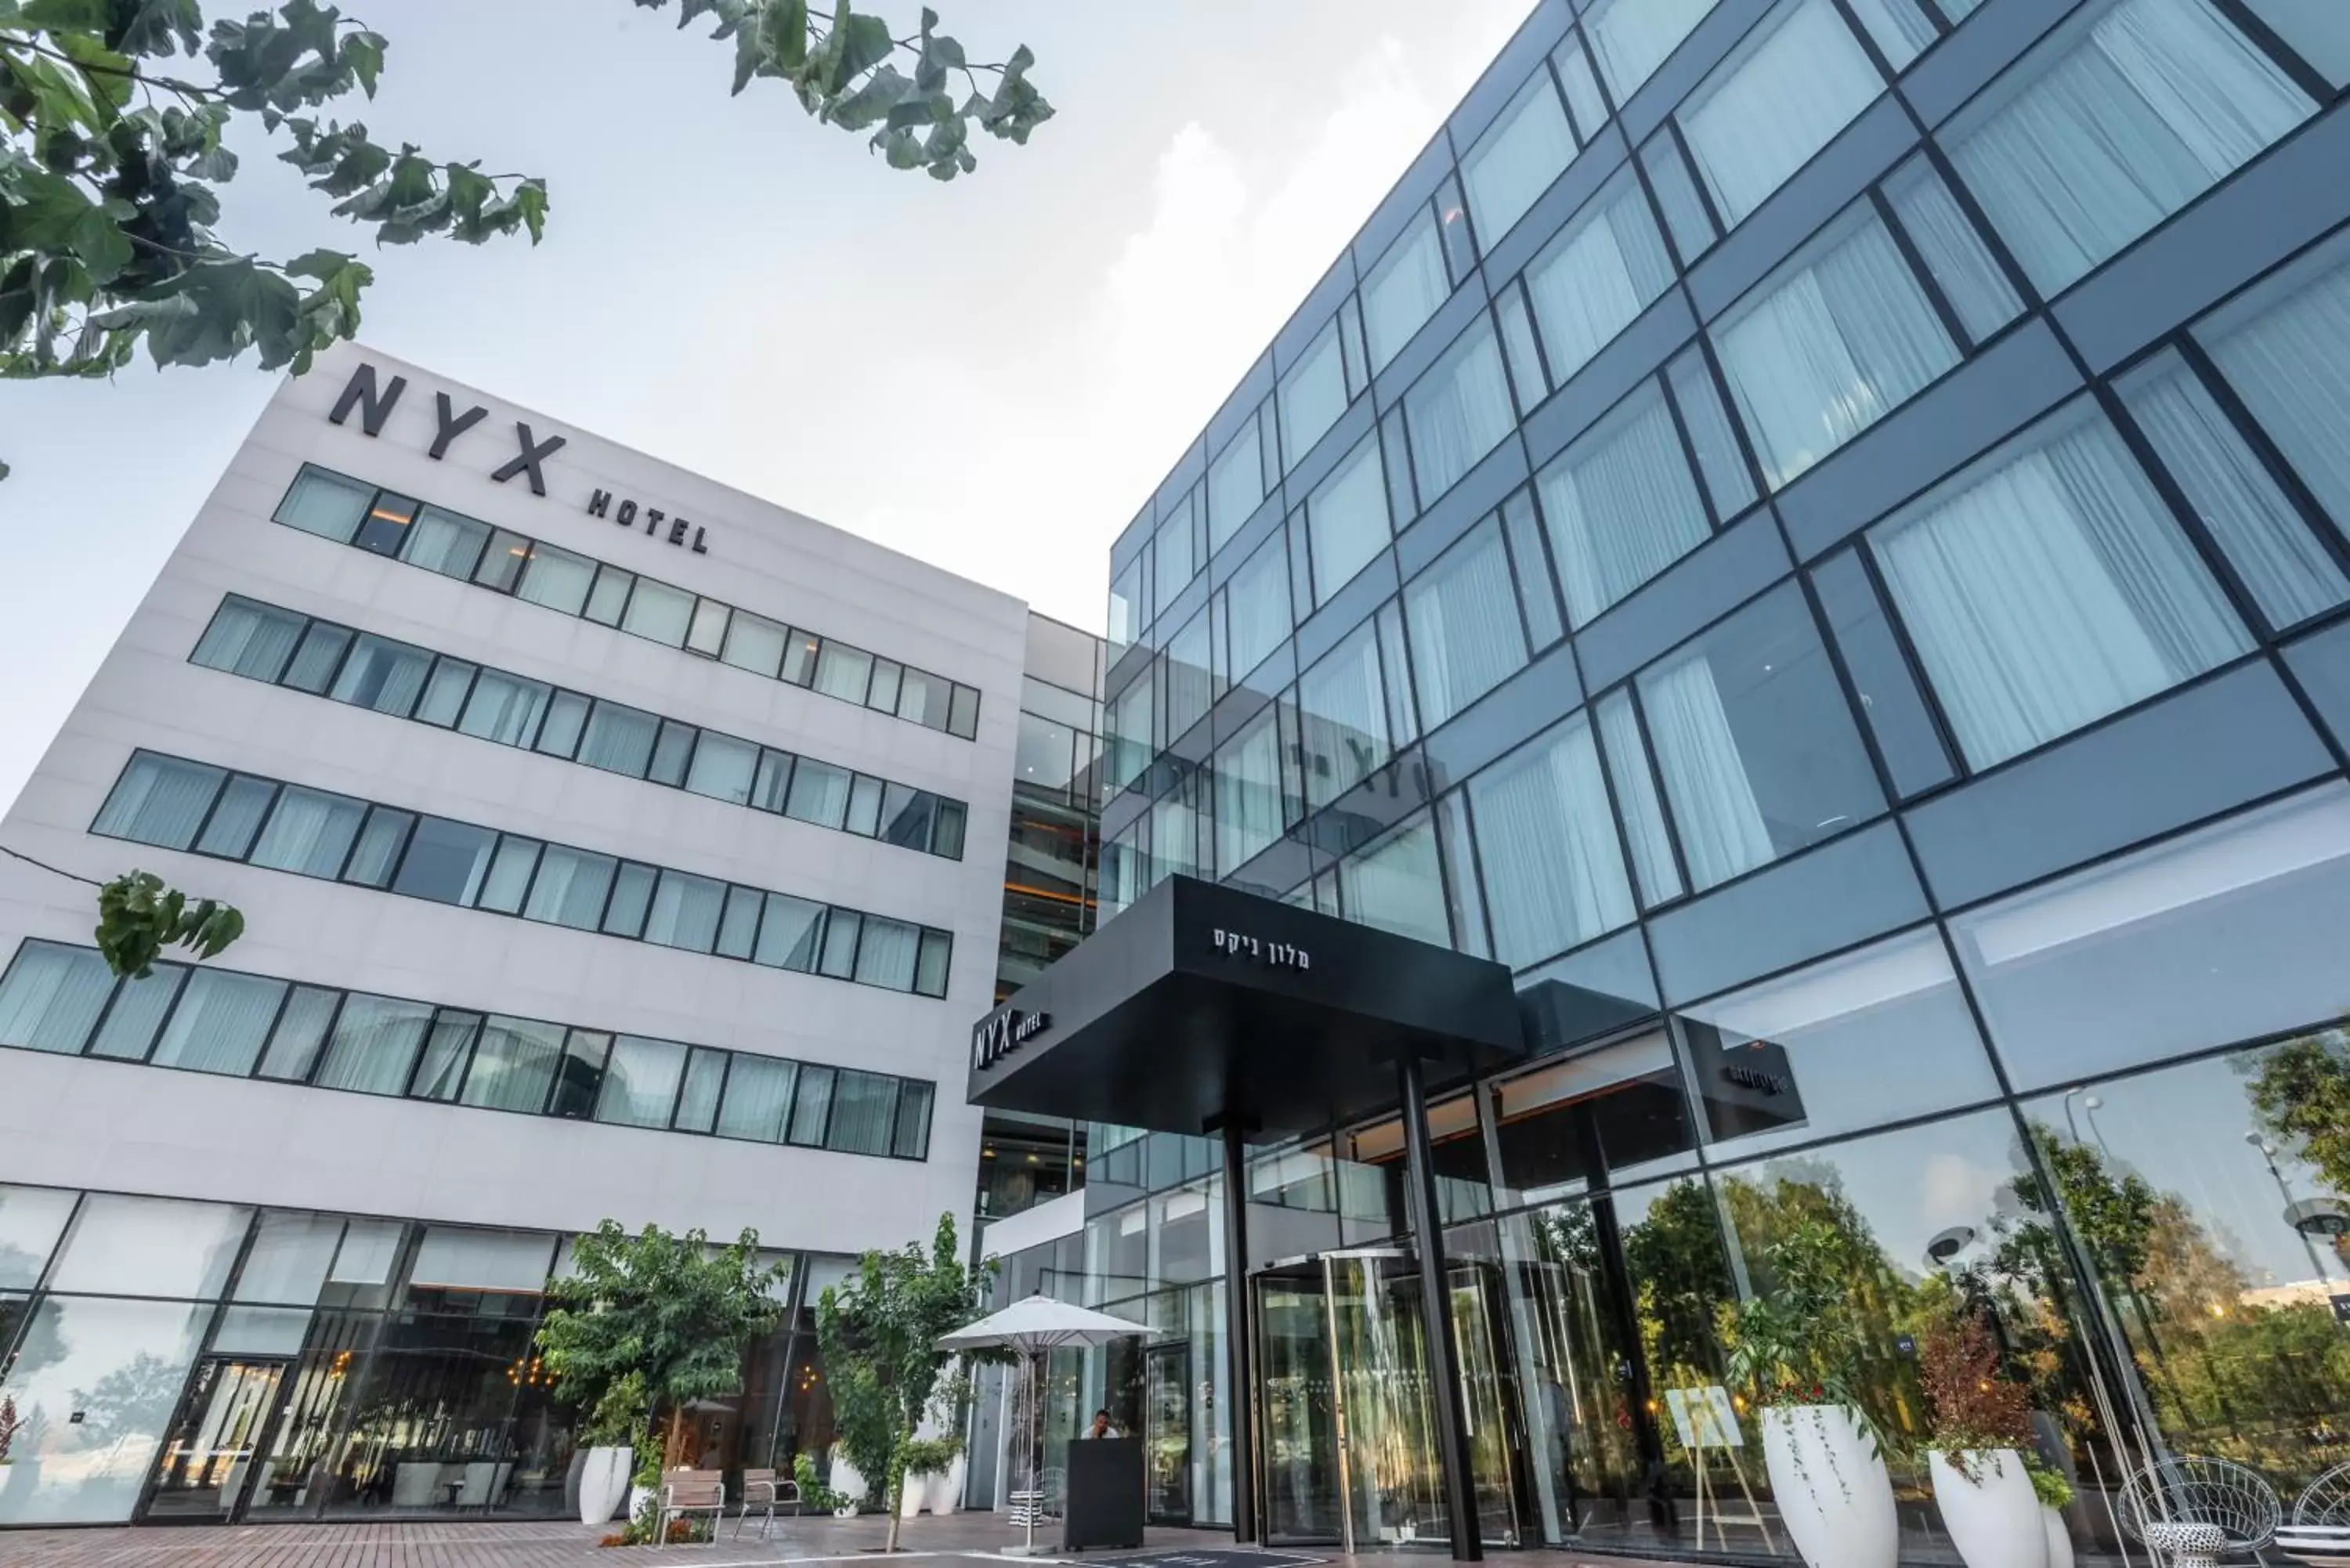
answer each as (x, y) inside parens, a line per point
(1280, 955)
(999, 1034)
(374, 402)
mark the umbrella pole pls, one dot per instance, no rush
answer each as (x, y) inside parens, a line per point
(1033, 1437)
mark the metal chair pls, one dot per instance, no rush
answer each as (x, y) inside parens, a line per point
(2319, 1534)
(764, 1491)
(686, 1492)
(2190, 1513)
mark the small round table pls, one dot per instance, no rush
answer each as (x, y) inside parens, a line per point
(2186, 1545)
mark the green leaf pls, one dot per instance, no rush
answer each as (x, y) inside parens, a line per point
(787, 23)
(881, 94)
(152, 28)
(858, 43)
(59, 17)
(363, 53)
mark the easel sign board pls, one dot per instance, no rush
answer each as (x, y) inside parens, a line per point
(1704, 1417)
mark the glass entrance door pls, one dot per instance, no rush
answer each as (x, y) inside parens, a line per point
(1167, 1433)
(1348, 1417)
(207, 1457)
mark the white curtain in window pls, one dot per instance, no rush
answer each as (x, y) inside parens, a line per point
(1396, 886)
(1174, 837)
(1348, 520)
(2288, 571)
(513, 1064)
(618, 738)
(308, 832)
(1632, 37)
(660, 612)
(503, 708)
(247, 639)
(158, 800)
(843, 672)
(51, 996)
(383, 675)
(220, 1023)
(2132, 120)
(2050, 591)
(1553, 871)
(1248, 795)
(723, 768)
(1827, 350)
(1313, 395)
(1952, 249)
(1722, 830)
(790, 932)
(1621, 506)
(570, 887)
(2290, 364)
(640, 1082)
(864, 1108)
(1595, 277)
(1514, 162)
(555, 578)
(1635, 794)
(1459, 412)
(1403, 291)
(1235, 485)
(754, 643)
(445, 543)
(885, 957)
(1343, 713)
(758, 1097)
(1900, 28)
(1257, 609)
(1804, 79)
(1466, 637)
(685, 912)
(375, 1043)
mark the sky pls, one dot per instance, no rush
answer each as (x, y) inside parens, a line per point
(991, 375)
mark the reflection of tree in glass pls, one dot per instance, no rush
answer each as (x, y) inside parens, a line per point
(134, 1400)
(2301, 1092)
(1681, 1280)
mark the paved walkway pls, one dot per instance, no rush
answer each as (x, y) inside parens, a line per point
(958, 1541)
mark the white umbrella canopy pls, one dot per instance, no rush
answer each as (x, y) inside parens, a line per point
(1039, 1322)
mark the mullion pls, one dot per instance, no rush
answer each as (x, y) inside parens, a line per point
(1665, 809)
(1518, 593)
(285, 1000)
(2256, 437)
(163, 1019)
(1475, 869)
(2267, 40)
(350, 645)
(1874, 573)
(1932, 285)
(1755, 476)
(2018, 280)
(1849, 688)
(1876, 55)
(325, 1040)
(1664, 385)
(1688, 166)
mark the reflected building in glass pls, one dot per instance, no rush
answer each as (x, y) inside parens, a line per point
(1816, 532)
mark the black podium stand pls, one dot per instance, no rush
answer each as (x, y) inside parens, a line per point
(1105, 1500)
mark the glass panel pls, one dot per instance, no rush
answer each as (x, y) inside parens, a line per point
(158, 800)
(247, 639)
(1299, 1419)
(1676, 188)
(1721, 461)
(1235, 485)
(301, 1029)
(236, 818)
(380, 841)
(962, 717)
(1191, 684)
(135, 1355)
(1514, 162)
(1798, 78)
(1621, 504)
(1174, 559)
(843, 672)
(1396, 885)
(632, 893)
(2316, 30)
(121, 1246)
(1343, 710)
(445, 861)
(1257, 608)
(289, 1260)
(1402, 292)
(926, 700)
(819, 793)
(697, 1104)
(444, 692)
(671, 751)
(385, 527)
(685, 912)
(912, 1139)
(514, 1065)
(1582, 88)
(375, 1043)
(556, 578)
(840, 928)
(640, 1082)
(864, 806)
(758, 1097)
(325, 503)
(1603, 270)
(505, 708)
(864, 1113)
(888, 675)
(309, 832)
(619, 740)
(1537, 591)
(1554, 872)
(509, 875)
(754, 643)
(740, 923)
(1632, 37)
(659, 612)
(1466, 637)
(768, 787)
(383, 675)
(1830, 345)
(1889, 699)
(1900, 28)
(812, 1106)
(1459, 412)
(138, 1008)
(723, 768)
(609, 596)
(799, 658)
(1250, 794)
(2285, 347)
(930, 967)
(1348, 520)
(31, 1220)
(567, 716)
(445, 543)
(446, 1048)
(501, 561)
(2049, 586)
(707, 634)
(570, 887)
(580, 1080)
(2124, 116)
(1313, 395)
(1130, 609)
(1754, 741)
(1952, 249)
(2201, 940)
(220, 1023)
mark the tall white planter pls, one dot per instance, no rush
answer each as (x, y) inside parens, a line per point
(2060, 1538)
(1831, 1490)
(1994, 1520)
(604, 1482)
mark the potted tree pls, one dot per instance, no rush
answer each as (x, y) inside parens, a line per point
(1986, 1481)
(9, 1426)
(1795, 1347)
(610, 1455)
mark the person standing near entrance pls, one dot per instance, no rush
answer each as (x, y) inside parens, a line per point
(1101, 1427)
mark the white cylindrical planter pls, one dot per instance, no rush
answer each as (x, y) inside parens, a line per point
(845, 1482)
(1994, 1519)
(2060, 1538)
(603, 1482)
(1831, 1490)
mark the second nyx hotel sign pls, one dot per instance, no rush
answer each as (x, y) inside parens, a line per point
(1001, 1032)
(374, 402)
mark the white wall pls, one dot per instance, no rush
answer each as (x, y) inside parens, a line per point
(89, 1124)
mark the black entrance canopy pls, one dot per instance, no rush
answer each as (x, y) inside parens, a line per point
(1203, 1005)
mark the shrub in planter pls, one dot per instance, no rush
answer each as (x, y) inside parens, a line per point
(1981, 1434)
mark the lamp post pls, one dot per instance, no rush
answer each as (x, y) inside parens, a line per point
(2293, 1215)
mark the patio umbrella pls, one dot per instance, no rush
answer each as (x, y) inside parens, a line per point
(1031, 1327)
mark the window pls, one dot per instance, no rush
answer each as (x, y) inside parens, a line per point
(791, 934)
(1313, 395)
(513, 1065)
(1953, 249)
(2316, 30)
(2285, 349)
(1554, 872)
(1605, 267)
(445, 543)
(1692, 226)
(1583, 99)
(249, 638)
(723, 768)
(445, 861)
(236, 818)
(1458, 410)
(885, 953)
(1754, 741)
(1131, 742)
(1128, 606)
(1395, 885)
(1633, 37)
(556, 578)
(1257, 608)
(843, 672)
(640, 1082)
(1636, 797)
(1721, 460)
(1830, 344)
(1252, 794)
(309, 832)
(1235, 484)
(325, 504)
(758, 1099)
(381, 674)
(1621, 504)
(819, 793)
(2132, 110)
(503, 708)
(1190, 686)
(1403, 290)
(2287, 570)
(1466, 637)
(660, 613)
(1514, 162)
(619, 740)
(931, 968)
(754, 643)
(2048, 587)
(1901, 30)
(570, 887)
(375, 1043)
(707, 632)
(158, 800)
(1176, 561)
(685, 912)
(609, 597)
(1798, 78)
(1890, 703)
(1342, 714)
(52, 996)
(1348, 520)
